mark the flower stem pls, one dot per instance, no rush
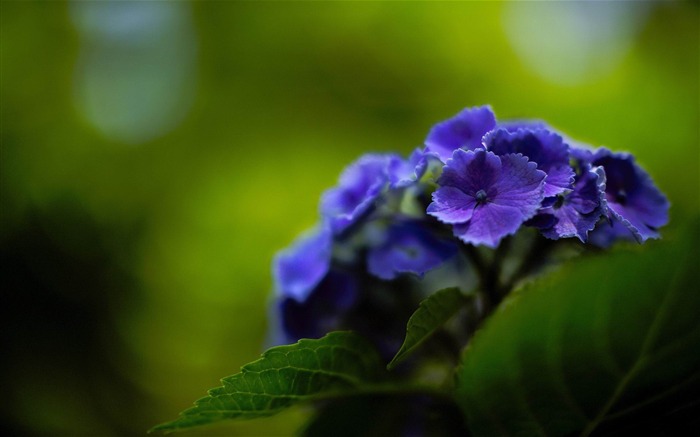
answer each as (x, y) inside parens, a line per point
(535, 259)
(489, 272)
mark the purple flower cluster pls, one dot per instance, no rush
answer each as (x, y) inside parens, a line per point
(525, 173)
(390, 220)
(373, 235)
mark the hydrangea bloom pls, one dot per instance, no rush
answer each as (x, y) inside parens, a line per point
(392, 219)
(609, 232)
(487, 196)
(408, 247)
(541, 146)
(360, 185)
(464, 130)
(631, 195)
(576, 213)
(404, 172)
(298, 269)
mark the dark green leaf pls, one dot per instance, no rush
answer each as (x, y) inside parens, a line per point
(383, 415)
(432, 313)
(283, 376)
(607, 345)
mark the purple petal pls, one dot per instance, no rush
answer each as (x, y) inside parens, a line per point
(488, 196)
(589, 191)
(451, 205)
(520, 185)
(609, 232)
(408, 248)
(464, 130)
(404, 172)
(464, 175)
(541, 146)
(559, 180)
(631, 195)
(299, 268)
(489, 224)
(576, 213)
(360, 185)
(583, 153)
(570, 223)
(471, 171)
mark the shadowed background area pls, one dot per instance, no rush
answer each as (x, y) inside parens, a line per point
(155, 156)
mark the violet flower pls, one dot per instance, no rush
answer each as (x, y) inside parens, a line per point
(408, 247)
(359, 186)
(574, 214)
(298, 269)
(541, 146)
(464, 130)
(631, 195)
(486, 196)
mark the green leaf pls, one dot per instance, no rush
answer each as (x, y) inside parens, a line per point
(432, 313)
(607, 345)
(388, 414)
(285, 375)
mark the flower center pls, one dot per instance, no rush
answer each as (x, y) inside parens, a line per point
(410, 252)
(481, 196)
(621, 197)
(559, 202)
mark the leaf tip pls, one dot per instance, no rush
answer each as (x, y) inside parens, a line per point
(398, 358)
(163, 428)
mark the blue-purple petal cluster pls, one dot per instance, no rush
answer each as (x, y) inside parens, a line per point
(359, 187)
(582, 185)
(392, 221)
(298, 269)
(464, 130)
(487, 196)
(576, 213)
(372, 235)
(631, 196)
(541, 146)
(408, 247)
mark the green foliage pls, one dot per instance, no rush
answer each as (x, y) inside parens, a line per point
(384, 415)
(608, 344)
(285, 375)
(432, 313)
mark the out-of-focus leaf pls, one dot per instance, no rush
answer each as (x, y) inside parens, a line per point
(607, 345)
(283, 376)
(432, 313)
(388, 415)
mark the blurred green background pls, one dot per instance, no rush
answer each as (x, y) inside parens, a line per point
(155, 155)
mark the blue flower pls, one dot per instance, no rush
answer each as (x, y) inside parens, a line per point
(487, 196)
(405, 172)
(541, 146)
(632, 198)
(609, 232)
(576, 213)
(464, 130)
(408, 247)
(360, 185)
(298, 269)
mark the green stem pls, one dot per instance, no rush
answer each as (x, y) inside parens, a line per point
(535, 259)
(489, 273)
